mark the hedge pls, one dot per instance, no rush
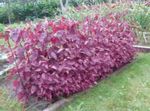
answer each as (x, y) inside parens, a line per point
(59, 58)
(21, 12)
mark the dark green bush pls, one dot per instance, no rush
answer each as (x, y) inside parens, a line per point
(21, 12)
(3, 15)
(86, 2)
(2, 27)
(140, 15)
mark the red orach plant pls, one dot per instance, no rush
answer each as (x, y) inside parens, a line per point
(59, 58)
(147, 3)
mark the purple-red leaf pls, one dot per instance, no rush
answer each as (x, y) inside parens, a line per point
(60, 58)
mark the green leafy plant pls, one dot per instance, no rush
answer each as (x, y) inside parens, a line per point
(15, 25)
(86, 2)
(22, 12)
(3, 15)
(140, 15)
(139, 18)
(2, 27)
(82, 11)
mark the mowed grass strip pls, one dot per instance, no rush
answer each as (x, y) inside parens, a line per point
(128, 89)
(7, 103)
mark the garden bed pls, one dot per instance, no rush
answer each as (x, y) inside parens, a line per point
(56, 59)
(120, 86)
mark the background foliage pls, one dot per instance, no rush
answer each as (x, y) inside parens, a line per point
(17, 11)
(2, 27)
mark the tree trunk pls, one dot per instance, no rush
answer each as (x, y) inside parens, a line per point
(64, 5)
(9, 11)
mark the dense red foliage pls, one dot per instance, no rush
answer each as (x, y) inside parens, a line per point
(147, 3)
(59, 58)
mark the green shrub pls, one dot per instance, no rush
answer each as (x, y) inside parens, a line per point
(86, 2)
(2, 27)
(20, 12)
(80, 12)
(139, 18)
(140, 14)
(16, 25)
(3, 15)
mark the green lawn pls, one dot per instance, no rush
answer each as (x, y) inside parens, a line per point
(1, 42)
(7, 103)
(127, 90)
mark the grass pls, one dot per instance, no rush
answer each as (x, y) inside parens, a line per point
(127, 90)
(7, 103)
